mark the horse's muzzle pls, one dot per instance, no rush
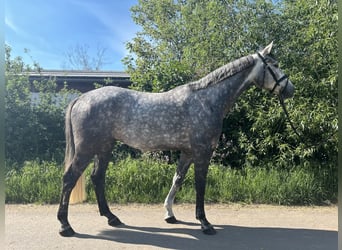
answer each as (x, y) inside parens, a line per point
(288, 91)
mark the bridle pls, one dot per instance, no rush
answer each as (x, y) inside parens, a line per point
(277, 83)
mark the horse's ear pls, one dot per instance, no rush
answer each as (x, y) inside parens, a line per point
(267, 50)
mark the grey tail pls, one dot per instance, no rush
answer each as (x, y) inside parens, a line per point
(69, 136)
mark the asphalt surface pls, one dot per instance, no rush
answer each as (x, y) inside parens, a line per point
(238, 227)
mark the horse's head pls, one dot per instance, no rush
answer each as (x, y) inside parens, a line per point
(267, 74)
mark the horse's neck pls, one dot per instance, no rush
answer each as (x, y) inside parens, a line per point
(237, 86)
(224, 94)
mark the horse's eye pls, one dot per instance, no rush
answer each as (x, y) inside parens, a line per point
(276, 65)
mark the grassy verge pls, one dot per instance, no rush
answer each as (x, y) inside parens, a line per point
(34, 183)
(148, 181)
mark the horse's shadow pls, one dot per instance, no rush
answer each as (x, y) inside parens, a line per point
(227, 237)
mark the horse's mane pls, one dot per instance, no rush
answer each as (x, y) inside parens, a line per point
(223, 72)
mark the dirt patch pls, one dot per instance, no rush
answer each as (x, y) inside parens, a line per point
(238, 227)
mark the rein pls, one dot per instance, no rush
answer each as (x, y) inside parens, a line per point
(308, 144)
(277, 83)
(282, 103)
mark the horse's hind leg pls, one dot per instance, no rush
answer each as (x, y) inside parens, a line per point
(182, 168)
(98, 179)
(201, 170)
(70, 178)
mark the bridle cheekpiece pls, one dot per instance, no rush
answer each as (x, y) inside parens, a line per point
(277, 81)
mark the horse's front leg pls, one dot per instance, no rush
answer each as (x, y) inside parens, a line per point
(182, 169)
(201, 170)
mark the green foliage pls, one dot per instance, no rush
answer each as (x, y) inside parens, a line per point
(148, 181)
(260, 185)
(34, 125)
(129, 180)
(35, 182)
(184, 40)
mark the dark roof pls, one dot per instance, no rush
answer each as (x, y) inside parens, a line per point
(82, 80)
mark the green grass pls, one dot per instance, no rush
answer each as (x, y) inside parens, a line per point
(258, 185)
(148, 181)
(143, 181)
(34, 183)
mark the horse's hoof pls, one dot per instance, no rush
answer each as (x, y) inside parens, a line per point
(210, 230)
(66, 231)
(114, 222)
(171, 220)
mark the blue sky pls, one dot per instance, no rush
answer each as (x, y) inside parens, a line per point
(49, 28)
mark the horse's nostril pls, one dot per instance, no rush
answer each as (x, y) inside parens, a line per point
(288, 92)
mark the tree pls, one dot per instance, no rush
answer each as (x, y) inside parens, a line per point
(78, 58)
(184, 40)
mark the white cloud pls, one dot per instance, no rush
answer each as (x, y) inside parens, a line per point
(9, 23)
(115, 19)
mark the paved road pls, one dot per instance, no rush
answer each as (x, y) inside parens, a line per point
(239, 227)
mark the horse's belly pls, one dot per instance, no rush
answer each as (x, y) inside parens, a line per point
(152, 124)
(149, 140)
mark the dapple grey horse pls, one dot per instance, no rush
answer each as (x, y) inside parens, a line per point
(187, 118)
